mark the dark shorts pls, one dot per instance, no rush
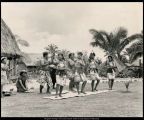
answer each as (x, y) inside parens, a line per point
(94, 69)
(109, 70)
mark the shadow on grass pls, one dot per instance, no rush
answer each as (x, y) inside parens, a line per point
(125, 91)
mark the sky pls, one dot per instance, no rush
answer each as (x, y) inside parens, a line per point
(67, 24)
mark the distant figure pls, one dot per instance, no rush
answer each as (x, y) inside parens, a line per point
(129, 73)
(127, 83)
(110, 71)
(139, 73)
(4, 70)
(21, 82)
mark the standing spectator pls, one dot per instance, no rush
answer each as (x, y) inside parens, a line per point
(4, 70)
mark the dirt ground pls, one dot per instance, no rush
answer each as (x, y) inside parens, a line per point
(118, 103)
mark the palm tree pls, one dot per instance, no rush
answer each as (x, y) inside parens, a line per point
(114, 42)
(21, 41)
(99, 61)
(65, 53)
(124, 59)
(136, 49)
(53, 49)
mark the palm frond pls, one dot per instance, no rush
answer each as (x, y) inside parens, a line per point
(117, 37)
(99, 39)
(23, 42)
(98, 44)
(52, 48)
(135, 47)
(97, 35)
(106, 35)
(135, 50)
(20, 41)
(120, 33)
(135, 36)
(135, 56)
(130, 39)
(116, 41)
(17, 36)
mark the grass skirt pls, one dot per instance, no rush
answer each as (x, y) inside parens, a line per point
(45, 78)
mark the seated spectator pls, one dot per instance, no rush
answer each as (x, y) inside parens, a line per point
(21, 82)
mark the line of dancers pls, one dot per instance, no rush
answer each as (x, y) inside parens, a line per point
(76, 70)
(57, 69)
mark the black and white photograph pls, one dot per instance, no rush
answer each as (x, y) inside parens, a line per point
(71, 59)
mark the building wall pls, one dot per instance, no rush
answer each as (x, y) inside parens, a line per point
(12, 66)
(15, 68)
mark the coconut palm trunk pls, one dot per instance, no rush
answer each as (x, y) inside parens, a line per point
(120, 65)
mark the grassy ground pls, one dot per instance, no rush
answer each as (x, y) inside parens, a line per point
(112, 104)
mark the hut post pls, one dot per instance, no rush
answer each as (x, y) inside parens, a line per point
(14, 66)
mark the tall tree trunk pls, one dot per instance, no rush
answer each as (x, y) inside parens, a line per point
(119, 64)
(119, 56)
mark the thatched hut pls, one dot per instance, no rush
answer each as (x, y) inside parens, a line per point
(31, 60)
(9, 47)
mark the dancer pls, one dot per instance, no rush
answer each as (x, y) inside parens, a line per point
(110, 71)
(4, 70)
(79, 73)
(71, 66)
(53, 70)
(61, 75)
(44, 73)
(93, 72)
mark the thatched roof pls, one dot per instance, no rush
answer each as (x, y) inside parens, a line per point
(9, 46)
(31, 59)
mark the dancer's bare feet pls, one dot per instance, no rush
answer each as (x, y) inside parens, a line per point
(48, 92)
(92, 90)
(60, 95)
(78, 93)
(83, 92)
(56, 96)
